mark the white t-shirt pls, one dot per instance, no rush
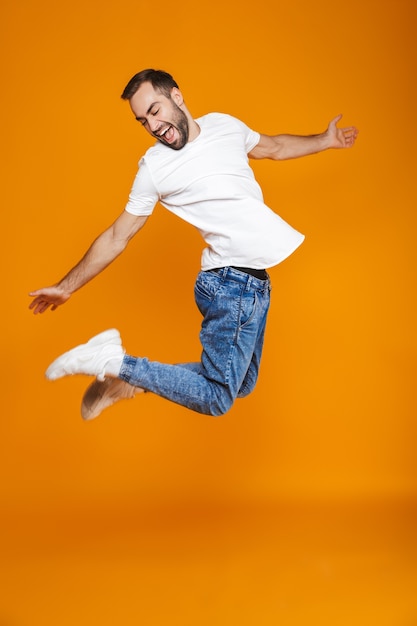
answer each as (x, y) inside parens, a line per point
(209, 184)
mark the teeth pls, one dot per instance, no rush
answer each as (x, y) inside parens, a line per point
(164, 131)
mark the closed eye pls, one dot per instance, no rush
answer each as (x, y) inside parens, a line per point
(143, 121)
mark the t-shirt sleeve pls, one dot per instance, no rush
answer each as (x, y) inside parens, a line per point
(251, 137)
(143, 195)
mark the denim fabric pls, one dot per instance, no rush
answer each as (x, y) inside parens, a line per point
(234, 306)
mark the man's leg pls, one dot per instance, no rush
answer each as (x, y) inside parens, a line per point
(101, 394)
(234, 306)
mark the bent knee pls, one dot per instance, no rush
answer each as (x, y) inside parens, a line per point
(224, 402)
(220, 406)
(246, 390)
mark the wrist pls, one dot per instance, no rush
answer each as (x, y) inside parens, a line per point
(64, 288)
(325, 140)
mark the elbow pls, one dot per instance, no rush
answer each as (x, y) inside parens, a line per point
(277, 152)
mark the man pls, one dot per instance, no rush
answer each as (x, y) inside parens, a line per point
(199, 170)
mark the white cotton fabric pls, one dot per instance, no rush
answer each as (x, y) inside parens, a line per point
(209, 184)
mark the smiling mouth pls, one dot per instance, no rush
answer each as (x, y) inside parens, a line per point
(167, 134)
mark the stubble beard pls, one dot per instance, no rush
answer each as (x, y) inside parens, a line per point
(180, 123)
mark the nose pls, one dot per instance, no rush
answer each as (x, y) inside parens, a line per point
(153, 124)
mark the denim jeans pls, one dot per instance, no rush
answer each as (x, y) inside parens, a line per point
(234, 306)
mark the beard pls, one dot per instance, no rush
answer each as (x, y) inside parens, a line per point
(180, 124)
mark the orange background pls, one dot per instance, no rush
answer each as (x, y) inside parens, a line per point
(287, 509)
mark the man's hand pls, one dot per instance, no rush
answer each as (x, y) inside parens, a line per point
(340, 137)
(100, 254)
(48, 297)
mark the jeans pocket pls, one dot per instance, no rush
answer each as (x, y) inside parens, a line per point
(205, 290)
(248, 307)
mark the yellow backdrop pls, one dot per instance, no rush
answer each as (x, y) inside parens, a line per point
(333, 416)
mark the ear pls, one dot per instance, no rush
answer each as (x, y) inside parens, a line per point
(176, 96)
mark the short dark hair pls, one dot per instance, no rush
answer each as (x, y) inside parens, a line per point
(161, 81)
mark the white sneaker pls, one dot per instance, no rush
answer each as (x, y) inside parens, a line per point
(102, 394)
(89, 358)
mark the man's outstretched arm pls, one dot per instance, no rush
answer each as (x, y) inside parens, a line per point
(101, 253)
(282, 147)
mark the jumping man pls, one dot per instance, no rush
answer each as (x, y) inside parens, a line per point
(199, 170)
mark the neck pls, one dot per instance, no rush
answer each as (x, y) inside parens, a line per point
(194, 129)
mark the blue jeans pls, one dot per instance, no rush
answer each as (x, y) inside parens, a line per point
(234, 306)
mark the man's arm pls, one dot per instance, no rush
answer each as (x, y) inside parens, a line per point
(282, 147)
(101, 253)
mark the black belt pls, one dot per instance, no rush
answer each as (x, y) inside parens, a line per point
(261, 274)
